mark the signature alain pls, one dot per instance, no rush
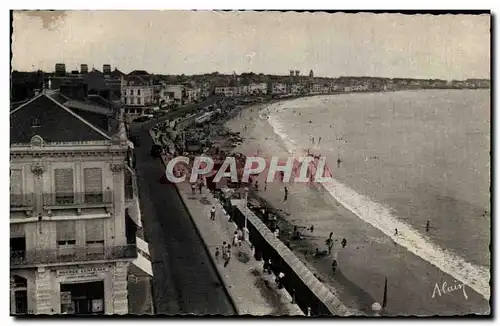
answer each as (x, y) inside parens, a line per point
(445, 289)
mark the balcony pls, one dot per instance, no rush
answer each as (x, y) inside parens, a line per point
(76, 255)
(79, 200)
(22, 202)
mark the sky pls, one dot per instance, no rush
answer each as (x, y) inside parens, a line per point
(189, 42)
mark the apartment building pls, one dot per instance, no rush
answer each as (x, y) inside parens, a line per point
(72, 237)
(137, 92)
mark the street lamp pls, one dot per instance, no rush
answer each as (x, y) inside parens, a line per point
(245, 230)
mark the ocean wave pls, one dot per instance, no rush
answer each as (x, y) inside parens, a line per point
(475, 276)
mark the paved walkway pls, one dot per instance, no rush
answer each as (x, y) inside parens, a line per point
(252, 291)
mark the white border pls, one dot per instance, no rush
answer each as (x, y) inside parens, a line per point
(186, 4)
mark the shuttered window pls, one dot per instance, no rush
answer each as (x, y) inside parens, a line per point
(94, 230)
(16, 181)
(16, 188)
(92, 180)
(66, 232)
(64, 186)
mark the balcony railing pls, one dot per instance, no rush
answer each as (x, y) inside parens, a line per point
(22, 201)
(71, 255)
(78, 198)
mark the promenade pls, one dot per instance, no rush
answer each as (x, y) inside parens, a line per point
(252, 291)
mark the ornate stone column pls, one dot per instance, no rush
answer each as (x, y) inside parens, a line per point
(38, 170)
(43, 286)
(120, 294)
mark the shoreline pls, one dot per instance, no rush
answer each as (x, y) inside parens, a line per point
(361, 227)
(351, 288)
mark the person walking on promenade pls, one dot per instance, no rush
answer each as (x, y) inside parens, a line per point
(265, 185)
(334, 266)
(217, 254)
(228, 256)
(193, 189)
(212, 213)
(235, 238)
(257, 185)
(286, 193)
(427, 226)
(344, 242)
(200, 186)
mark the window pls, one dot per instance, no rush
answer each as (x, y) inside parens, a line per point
(92, 181)
(34, 122)
(94, 233)
(138, 92)
(66, 234)
(141, 100)
(127, 100)
(64, 186)
(131, 92)
(16, 181)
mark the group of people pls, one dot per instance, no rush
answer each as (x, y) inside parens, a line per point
(225, 248)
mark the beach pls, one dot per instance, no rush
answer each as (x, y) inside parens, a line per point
(414, 263)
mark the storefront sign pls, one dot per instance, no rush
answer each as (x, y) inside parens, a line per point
(66, 298)
(81, 273)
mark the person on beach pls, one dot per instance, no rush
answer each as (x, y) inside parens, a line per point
(329, 243)
(257, 185)
(334, 266)
(395, 231)
(212, 213)
(344, 242)
(286, 193)
(427, 226)
(338, 162)
(311, 228)
(265, 185)
(319, 140)
(200, 186)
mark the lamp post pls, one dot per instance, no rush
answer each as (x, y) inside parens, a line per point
(245, 230)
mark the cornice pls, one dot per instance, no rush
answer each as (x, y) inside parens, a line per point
(66, 153)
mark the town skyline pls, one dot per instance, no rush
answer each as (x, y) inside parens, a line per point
(332, 45)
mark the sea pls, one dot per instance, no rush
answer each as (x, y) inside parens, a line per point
(406, 158)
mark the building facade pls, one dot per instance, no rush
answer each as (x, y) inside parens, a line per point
(137, 93)
(70, 241)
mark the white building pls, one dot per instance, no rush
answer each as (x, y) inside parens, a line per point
(258, 89)
(174, 91)
(72, 240)
(138, 92)
(278, 88)
(225, 91)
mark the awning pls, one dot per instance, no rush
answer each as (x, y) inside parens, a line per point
(134, 212)
(130, 144)
(141, 266)
(142, 245)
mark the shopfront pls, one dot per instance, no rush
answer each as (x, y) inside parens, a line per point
(82, 290)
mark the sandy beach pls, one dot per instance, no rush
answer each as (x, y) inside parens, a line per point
(369, 256)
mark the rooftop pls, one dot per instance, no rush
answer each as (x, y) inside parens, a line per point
(54, 122)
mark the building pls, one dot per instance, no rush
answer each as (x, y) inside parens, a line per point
(278, 88)
(106, 70)
(226, 91)
(84, 68)
(72, 233)
(173, 91)
(296, 88)
(138, 92)
(297, 73)
(257, 89)
(60, 69)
